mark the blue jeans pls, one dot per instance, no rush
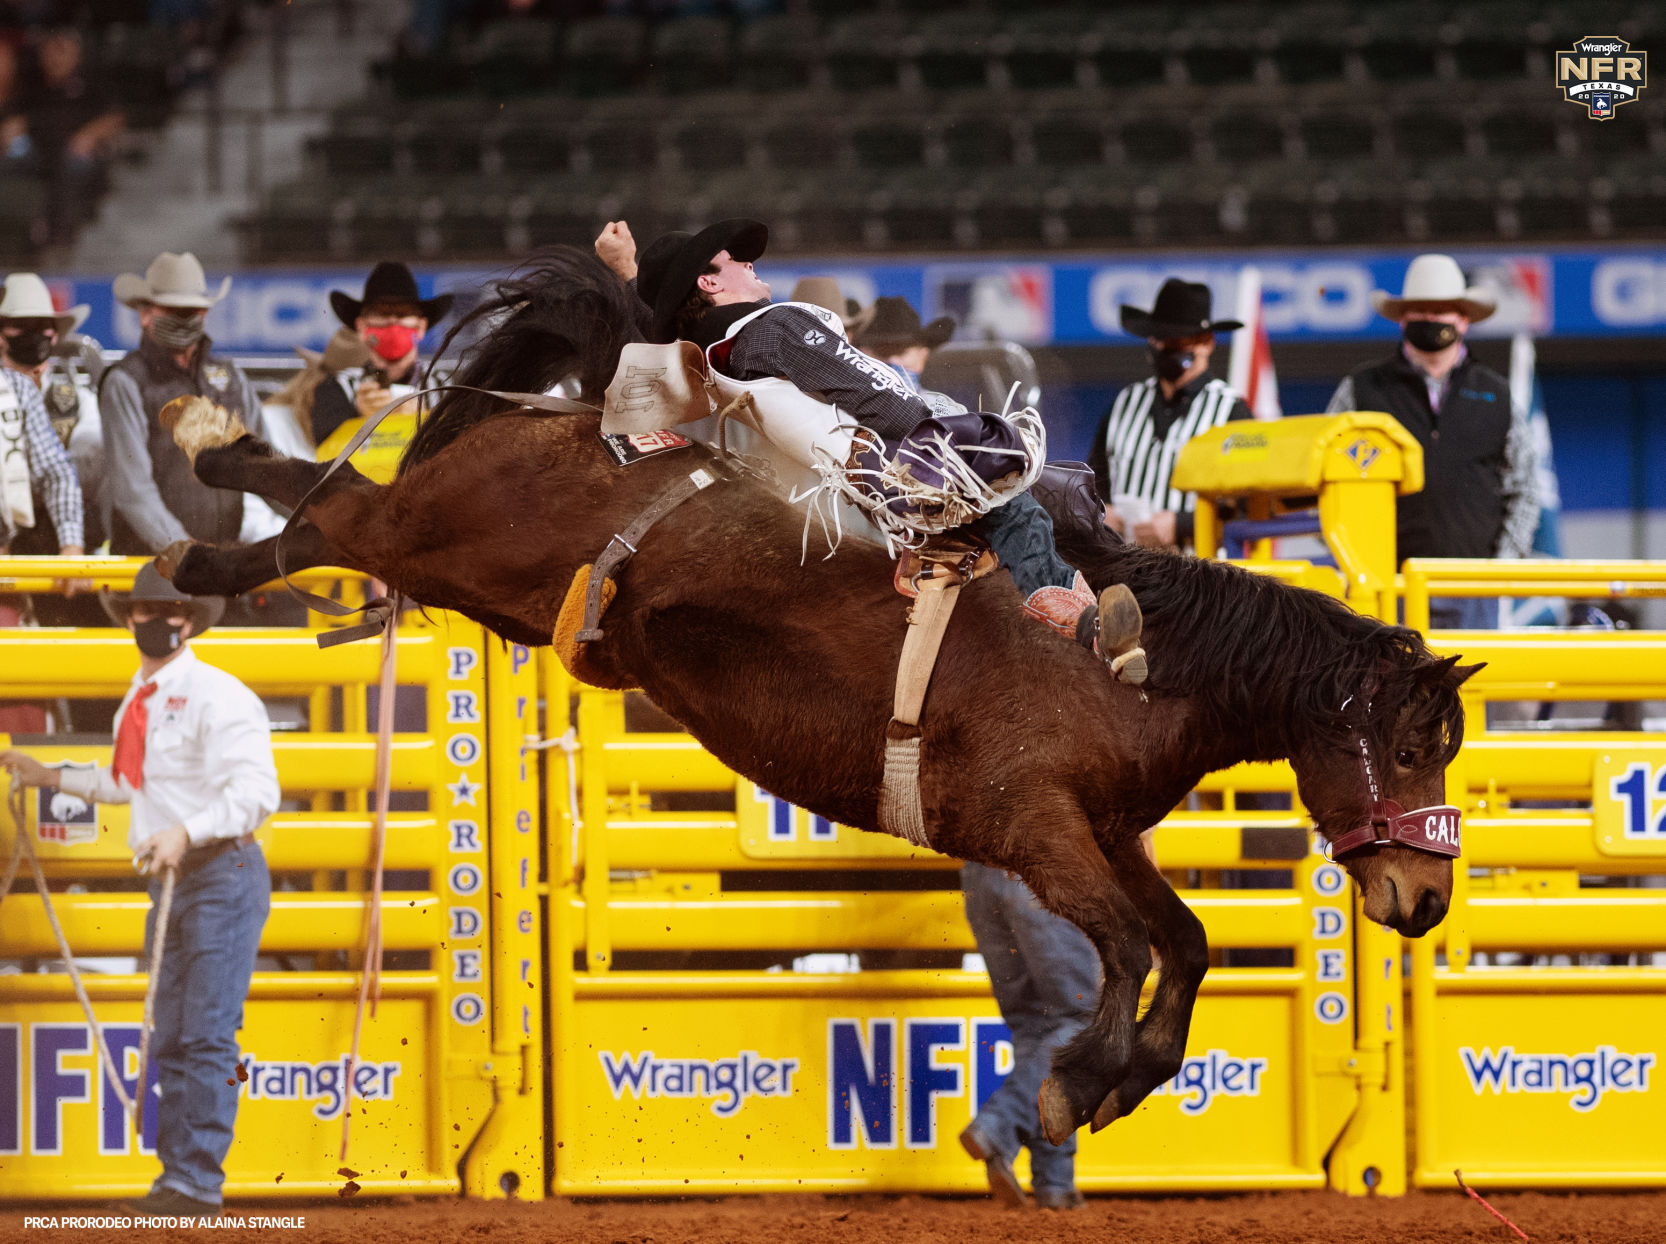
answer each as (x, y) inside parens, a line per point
(1021, 533)
(214, 929)
(1046, 977)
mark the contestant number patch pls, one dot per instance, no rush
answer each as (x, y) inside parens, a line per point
(629, 448)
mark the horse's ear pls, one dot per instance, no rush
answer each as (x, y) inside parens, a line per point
(1466, 672)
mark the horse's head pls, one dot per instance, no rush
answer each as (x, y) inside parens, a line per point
(1374, 781)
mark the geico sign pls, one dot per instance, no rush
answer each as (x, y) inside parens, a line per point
(1331, 296)
(1629, 292)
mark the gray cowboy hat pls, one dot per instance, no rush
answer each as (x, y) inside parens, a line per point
(170, 281)
(667, 271)
(1434, 282)
(150, 587)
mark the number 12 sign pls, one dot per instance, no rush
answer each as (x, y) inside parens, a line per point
(1629, 804)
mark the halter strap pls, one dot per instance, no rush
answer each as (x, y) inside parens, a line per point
(1437, 829)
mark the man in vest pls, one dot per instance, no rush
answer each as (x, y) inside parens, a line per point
(193, 759)
(154, 497)
(390, 322)
(702, 288)
(1479, 497)
(1149, 423)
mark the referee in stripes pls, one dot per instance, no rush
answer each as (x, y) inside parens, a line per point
(1140, 437)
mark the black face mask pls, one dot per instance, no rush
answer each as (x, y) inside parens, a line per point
(1171, 364)
(1429, 335)
(157, 637)
(31, 347)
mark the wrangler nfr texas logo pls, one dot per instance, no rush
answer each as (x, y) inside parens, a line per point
(1600, 73)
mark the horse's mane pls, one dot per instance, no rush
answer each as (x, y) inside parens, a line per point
(561, 315)
(1248, 649)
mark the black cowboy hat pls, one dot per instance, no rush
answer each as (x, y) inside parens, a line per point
(1181, 310)
(150, 587)
(894, 324)
(673, 262)
(389, 281)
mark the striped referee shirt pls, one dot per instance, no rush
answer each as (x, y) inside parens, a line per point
(1142, 435)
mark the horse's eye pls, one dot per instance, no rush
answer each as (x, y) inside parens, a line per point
(1405, 759)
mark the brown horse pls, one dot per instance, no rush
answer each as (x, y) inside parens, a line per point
(1035, 760)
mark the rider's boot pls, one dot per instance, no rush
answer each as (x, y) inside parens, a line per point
(1109, 626)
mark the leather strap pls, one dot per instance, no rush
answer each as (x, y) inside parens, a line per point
(1437, 830)
(620, 549)
(928, 619)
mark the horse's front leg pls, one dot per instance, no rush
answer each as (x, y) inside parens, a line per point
(1067, 872)
(213, 570)
(1160, 1039)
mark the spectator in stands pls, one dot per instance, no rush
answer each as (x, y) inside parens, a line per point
(1046, 978)
(193, 756)
(155, 499)
(74, 125)
(16, 148)
(1141, 435)
(1479, 497)
(390, 320)
(892, 332)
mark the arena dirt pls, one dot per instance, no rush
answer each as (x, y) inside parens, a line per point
(1272, 1218)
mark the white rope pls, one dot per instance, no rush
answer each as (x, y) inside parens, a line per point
(147, 1023)
(19, 817)
(567, 742)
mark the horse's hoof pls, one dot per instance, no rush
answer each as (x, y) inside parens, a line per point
(1058, 1116)
(1108, 1113)
(1131, 667)
(198, 424)
(168, 560)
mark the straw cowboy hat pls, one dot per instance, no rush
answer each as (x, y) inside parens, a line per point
(1182, 310)
(390, 282)
(170, 281)
(25, 297)
(893, 324)
(1434, 282)
(824, 292)
(668, 270)
(150, 587)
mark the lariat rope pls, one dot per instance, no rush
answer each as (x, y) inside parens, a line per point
(24, 846)
(147, 1024)
(370, 970)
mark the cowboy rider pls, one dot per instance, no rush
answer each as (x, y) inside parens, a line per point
(702, 288)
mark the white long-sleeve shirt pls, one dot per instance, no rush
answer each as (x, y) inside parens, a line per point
(208, 758)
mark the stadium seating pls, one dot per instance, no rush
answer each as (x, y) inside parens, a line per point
(915, 124)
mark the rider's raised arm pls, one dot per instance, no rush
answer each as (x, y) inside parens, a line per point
(796, 346)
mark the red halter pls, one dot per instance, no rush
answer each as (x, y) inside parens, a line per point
(1437, 829)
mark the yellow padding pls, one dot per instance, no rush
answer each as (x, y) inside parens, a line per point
(576, 657)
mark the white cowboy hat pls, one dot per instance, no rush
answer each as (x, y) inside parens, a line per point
(170, 281)
(1436, 279)
(25, 297)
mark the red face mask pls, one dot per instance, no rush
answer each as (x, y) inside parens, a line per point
(392, 341)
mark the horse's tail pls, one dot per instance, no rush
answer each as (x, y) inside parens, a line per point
(563, 315)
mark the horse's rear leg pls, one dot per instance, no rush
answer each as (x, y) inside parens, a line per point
(224, 454)
(1068, 873)
(1160, 1039)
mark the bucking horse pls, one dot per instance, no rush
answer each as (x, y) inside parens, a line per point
(1033, 758)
